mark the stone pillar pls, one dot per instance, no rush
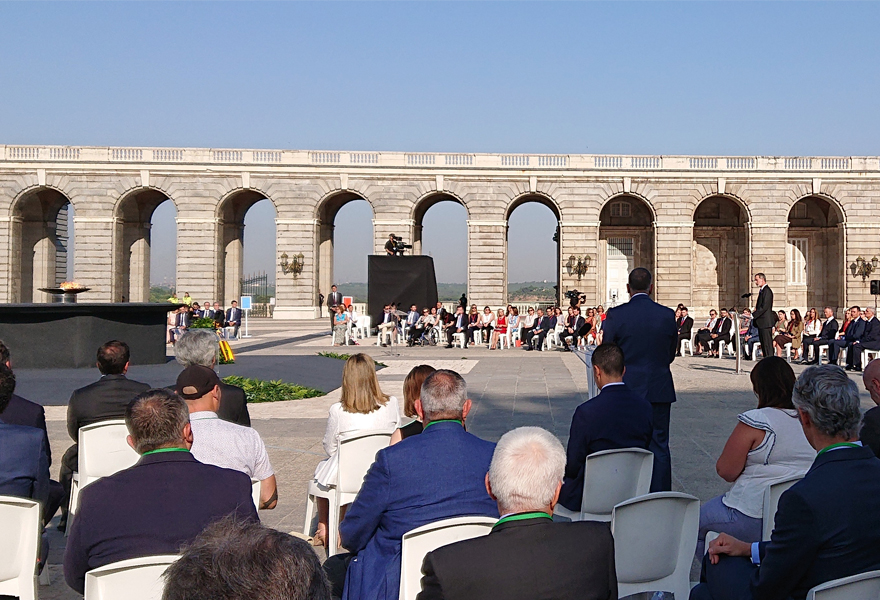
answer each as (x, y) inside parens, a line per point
(404, 228)
(198, 256)
(768, 245)
(296, 295)
(232, 259)
(10, 259)
(581, 240)
(861, 239)
(486, 258)
(93, 256)
(674, 255)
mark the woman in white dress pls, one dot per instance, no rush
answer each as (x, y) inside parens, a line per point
(362, 407)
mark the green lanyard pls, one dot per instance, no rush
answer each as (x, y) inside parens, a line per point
(522, 517)
(445, 421)
(840, 445)
(164, 450)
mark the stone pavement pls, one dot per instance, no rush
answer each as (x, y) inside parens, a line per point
(509, 388)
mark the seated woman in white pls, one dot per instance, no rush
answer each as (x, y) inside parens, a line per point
(362, 407)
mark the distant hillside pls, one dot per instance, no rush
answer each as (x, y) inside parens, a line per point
(524, 291)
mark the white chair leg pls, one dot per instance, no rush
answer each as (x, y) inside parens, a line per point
(310, 514)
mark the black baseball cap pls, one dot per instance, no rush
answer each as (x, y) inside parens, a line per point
(196, 381)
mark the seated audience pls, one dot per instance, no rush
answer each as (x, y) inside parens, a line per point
(705, 333)
(362, 406)
(526, 555)
(616, 418)
(826, 337)
(721, 333)
(458, 324)
(527, 326)
(416, 324)
(219, 316)
(201, 347)
(870, 340)
(685, 326)
(436, 475)
(781, 323)
(574, 329)
(158, 505)
(412, 387)
(104, 400)
(827, 525)
(812, 328)
(221, 443)
(243, 560)
(500, 329)
(749, 339)
(388, 324)
(792, 334)
(852, 333)
(486, 324)
(340, 325)
(513, 322)
(544, 324)
(870, 433)
(766, 446)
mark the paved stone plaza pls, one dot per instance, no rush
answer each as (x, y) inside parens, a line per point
(509, 388)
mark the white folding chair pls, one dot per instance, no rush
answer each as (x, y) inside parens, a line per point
(864, 586)
(687, 344)
(730, 349)
(255, 492)
(230, 333)
(772, 493)
(611, 477)
(503, 340)
(655, 537)
(787, 348)
(103, 451)
(460, 338)
(132, 579)
(418, 542)
(868, 356)
(478, 337)
(363, 326)
(19, 546)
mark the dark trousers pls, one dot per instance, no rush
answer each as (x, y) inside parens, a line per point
(682, 336)
(766, 337)
(728, 580)
(526, 336)
(69, 465)
(56, 496)
(537, 341)
(450, 331)
(661, 481)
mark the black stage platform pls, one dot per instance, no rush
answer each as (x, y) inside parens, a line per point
(58, 336)
(405, 280)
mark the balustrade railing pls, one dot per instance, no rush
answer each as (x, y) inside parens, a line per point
(227, 156)
(645, 162)
(798, 164)
(458, 160)
(514, 160)
(168, 155)
(267, 156)
(126, 154)
(420, 159)
(740, 163)
(835, 164)
(323, 158)
(608, 162)
(703, 163)
(64, 153)
(364, 158)
(552, 161)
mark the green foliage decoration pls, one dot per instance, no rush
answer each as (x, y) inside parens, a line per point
(260, 390)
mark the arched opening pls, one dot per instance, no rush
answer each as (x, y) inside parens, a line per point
(814, 268)
(42, 244)
(626, 241)
(441, 232)
(163, 252)
(134, 245)
(531, 255)
(232, 278)
(348, 217)
(720, 253)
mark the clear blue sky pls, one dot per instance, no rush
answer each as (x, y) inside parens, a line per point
(661, 78)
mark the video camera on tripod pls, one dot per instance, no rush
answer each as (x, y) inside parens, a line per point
(396, 246)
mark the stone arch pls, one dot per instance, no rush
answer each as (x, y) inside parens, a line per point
(325, 216)
(815, 255)
(39, 242)
(551, 203)
(420, 209)
(721, 251)
(539, 197)
(626, 241)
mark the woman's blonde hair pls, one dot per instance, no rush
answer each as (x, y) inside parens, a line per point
(412, 388)
(360, 388)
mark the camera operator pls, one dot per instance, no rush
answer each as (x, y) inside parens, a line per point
(575, 298)
(390, 246)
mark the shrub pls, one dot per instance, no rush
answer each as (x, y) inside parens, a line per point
(259, 390)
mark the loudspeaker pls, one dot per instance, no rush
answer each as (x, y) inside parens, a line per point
(875, 287)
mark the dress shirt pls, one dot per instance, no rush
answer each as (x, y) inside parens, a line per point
(228, 445)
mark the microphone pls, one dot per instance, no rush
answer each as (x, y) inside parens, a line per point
(746, 296)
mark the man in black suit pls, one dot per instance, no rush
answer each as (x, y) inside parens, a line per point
(543, 326)
(458, 325)
(685, 326)
(573, 327)
(852, 333)
(233, 318)
(616, 418)
(827, 525)
(334, 299)
(722, 333)
(704, 333)
(870, 340)
(826, 336)
(161, 503)
(763, 315)
(648, 336)
(526, 555)
(103, 400)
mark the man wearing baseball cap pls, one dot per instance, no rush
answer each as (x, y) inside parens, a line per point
(221, 443)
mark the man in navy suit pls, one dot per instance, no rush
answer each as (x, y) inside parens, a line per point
(161, 503)
(616, 418)
(827, 525)
(826, 336)
(851, 334)
(457, 325)
(435, 475)
(233, 318)
(648, 336)
(870, 340)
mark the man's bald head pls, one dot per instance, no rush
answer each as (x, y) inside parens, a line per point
(871, 379)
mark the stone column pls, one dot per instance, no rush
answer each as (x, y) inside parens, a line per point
(198, 255)
(296, 295)
(403, 228)
(674, 255)
(581, 240)
(768, 244)
(10, 259)
(93, 258)
(486, 272)
(861, 239)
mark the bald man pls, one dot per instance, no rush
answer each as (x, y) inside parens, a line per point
(870, 434)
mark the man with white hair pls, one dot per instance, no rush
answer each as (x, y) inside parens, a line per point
(526, 555)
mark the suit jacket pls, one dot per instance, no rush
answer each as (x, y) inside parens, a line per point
(525, 560)
(155, 507)
(27, 413)
(829, 329)
(685, 326)
(334, 299)
(870, 434)
(616, 418)
(827, 526)
(577, 324)
(435, 475)
(855, 331)
(233, 315)
(648, 336)
(870, 336)
(183, 319)
(543, 325)
(208, 313)
(103, 400)
(24, 462)
(763, 315)
(412, 318)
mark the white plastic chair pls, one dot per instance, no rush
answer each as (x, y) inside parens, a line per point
(868, 356)
(103, 451)
(363, 326)
(255, 492)
(19, 547)
(230, 333)
(503, 340)
(417, 542)
(382, 336)
(356, 451)
(864, 586)
(655, 537)
(132, 579)
(688, 344)
(478, 337)
(772, 493)
(460, 338)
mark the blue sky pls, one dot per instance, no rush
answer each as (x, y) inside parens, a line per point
(625, 77)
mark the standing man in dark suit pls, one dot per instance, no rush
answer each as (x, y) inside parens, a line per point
(161, 503)
(685, 326)
(104, 400)
(827, 525)
(870, 340)
(334, 299)
(826, 336)
(763, 316)
(233, 318)
(648, 335)
(616, 418)
(526, 555)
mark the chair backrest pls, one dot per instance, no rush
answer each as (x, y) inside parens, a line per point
(772, 493)
(19, 543)
(255, 492)
(864, 586)
(612, 476)
(133, 579)
(357, 451)
(421, 540)
(655, 537)
(103, 450)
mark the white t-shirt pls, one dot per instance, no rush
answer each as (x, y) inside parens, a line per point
(228, 445)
